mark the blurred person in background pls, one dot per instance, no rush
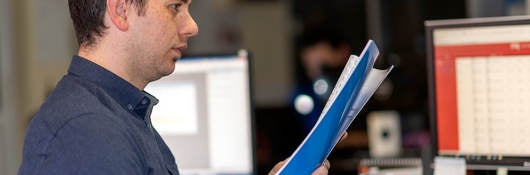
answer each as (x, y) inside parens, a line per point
(323, 54)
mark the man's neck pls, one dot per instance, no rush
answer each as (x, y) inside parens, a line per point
(114, 61)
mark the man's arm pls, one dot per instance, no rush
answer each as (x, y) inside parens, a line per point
(88, 144)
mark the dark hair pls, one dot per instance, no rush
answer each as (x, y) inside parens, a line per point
(314, 36)
(311, 36)
(88, 18)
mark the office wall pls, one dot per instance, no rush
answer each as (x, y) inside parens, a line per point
(266, 29)
(36, 46)
(490, 8)
(219, 26)
(7, 130)
(8, 138)
(263, 28)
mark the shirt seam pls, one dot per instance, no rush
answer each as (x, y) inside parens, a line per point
(54, 134)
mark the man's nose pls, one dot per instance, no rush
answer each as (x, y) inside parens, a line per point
(190, 27)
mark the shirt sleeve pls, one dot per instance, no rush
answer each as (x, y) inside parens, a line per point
(92, 144)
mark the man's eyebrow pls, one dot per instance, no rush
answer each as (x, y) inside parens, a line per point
(180, 1)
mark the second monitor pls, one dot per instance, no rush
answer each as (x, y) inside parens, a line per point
(204, 114)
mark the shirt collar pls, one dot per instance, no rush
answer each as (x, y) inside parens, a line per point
(128, 96)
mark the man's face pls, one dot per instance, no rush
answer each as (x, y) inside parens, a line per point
(323, 55)
(159, 37)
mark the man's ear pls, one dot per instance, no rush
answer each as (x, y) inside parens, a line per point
(117, 11)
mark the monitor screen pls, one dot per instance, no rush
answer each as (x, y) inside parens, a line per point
(204, 114)
(480, 87)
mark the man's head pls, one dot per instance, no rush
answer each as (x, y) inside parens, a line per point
(323, 48)
(139, 40)
(88, 18)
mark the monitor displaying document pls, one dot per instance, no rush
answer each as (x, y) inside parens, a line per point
(204, 114)
(480, 89)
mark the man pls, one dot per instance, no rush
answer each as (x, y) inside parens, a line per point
(97, 120)
(323, 54)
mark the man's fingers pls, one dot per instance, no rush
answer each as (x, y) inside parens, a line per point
(277, 167)
(323, 169)
(344, 136)
(326, 164)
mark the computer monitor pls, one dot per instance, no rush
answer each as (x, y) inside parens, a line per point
(204, 114)
(479, 81)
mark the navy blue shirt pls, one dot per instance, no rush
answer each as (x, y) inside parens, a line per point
(94, 122)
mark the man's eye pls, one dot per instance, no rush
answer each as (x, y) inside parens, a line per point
(175, 6)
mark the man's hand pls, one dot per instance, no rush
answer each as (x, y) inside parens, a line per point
(277, 167)
(344, 136)
(321, 170)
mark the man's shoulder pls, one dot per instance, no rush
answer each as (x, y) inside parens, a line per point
(74, 98)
